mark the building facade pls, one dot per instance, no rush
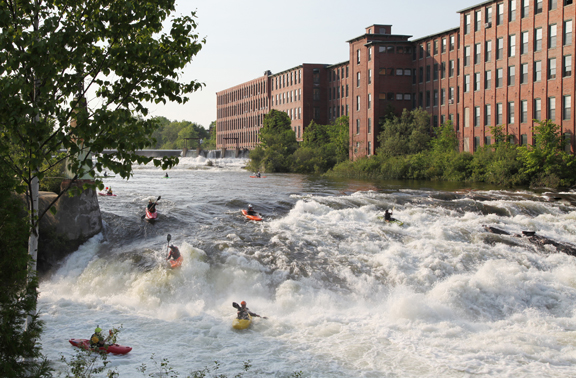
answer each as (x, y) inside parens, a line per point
(508, 63)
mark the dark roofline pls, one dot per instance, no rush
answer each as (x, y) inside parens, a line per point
(388, 35)
(476, 6)
(338, 64)
(299, 66)
(437, 34)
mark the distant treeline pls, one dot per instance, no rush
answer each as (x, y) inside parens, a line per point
(171, 135)
(409, 150)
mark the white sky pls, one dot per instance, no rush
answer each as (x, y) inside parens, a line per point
(246, 38)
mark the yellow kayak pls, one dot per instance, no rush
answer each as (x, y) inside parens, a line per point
(241, 323)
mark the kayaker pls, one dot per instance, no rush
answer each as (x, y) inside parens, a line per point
(97, 340)
(166, 175)
(109, 192)
(243, 312)
(388, 216)
(105, 174)
(251, 211)
(258, 175)
(174, 253)
(151, 206)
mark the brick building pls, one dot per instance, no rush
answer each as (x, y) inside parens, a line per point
(508, 63)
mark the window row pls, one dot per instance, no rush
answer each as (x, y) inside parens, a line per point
(337, 111)
(507, 76)
(287, 97)
(445, 44)
(334, 93)
(287, 79)
(242, 108)
(242, 93)
(435, 97)
(336, 74)
(436, 71)
(483, 116)
(508, 10)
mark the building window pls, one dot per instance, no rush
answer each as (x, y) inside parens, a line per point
(421, 74)
(442, 96)
(487, 114)
(524, 111)
(539, 6)
(553, 4)
(370, 76)
(488, 51)
(499, 13)
(487, 79)
(567, 66)
(444, 42)
(316, 94)
(466, 56)
(428, 49)
(568, 2)
(552, 108)
(525, 8)
(435, 47)
(476, 143)
(511, 112)
(499, 48)
(428, 73)
(567, 32)
(567, 108)
(369, 100)
(499, 77)
(499, 117)
(524, 73)
(369, 148)
(427, 99)
(357, 102)
(476, 116)
(538, 39)
(537, 109)
(512, 11)
(451, 68)
(370, 53)
(451, 95)
(357, 126)
(537, 71)
(357, 79)
(435, 71)
(477, 81)
(435, 97)
(478, 20)
(524, 44)
(452, 42)
(511, 46)
(358, 56)
(477, 53)
(466, 83)
(489, 16)
(467, 23)
(443, 70)
(552, 68)
(552, 36)
(369, 125)
(511, 75)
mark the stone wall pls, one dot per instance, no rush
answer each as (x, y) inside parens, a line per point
(76, 220)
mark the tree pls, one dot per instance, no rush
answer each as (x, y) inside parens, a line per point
(277, 144)
(405, 135)
(53, 55)
(210, 142)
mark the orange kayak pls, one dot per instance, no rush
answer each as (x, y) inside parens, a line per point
(252, 217)
(176, 263)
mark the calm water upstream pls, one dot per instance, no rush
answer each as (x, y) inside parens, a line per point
(346, 295)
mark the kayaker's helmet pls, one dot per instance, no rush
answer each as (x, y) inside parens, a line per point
(243, 303)
(98, 330)
(149, 201)
(172, 246)
(249, 206)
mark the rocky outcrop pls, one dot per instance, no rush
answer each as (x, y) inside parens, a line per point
(76, 220)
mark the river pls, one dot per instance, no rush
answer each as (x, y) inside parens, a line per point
(346, 295)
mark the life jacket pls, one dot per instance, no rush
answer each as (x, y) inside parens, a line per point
(96, 339)
(175, 253)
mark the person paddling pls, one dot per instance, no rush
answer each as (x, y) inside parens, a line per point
(388, 216)
(251, 211)
(174, 253)
(244, 311)
(97, 340)
(166, 175)
(151, 206)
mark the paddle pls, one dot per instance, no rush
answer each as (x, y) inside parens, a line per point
(237, 307)
(144, 216)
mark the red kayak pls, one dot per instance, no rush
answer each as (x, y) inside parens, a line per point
(176, 263)
(151, 216)
(258, 177)
(106, 194)
(114, 348)
(252, 217)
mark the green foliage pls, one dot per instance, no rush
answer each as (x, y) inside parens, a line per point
(20, 353)
(210, 142)
(323, 146)
(408, 134)
(88, 363)
(278, 144)
(170, 134)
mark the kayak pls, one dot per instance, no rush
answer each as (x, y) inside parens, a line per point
(151, 216)
(399, 223)
(106, 194)
(258, 177)
(114, 348)
(252, 217)
(176, 263)
(242, 323)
